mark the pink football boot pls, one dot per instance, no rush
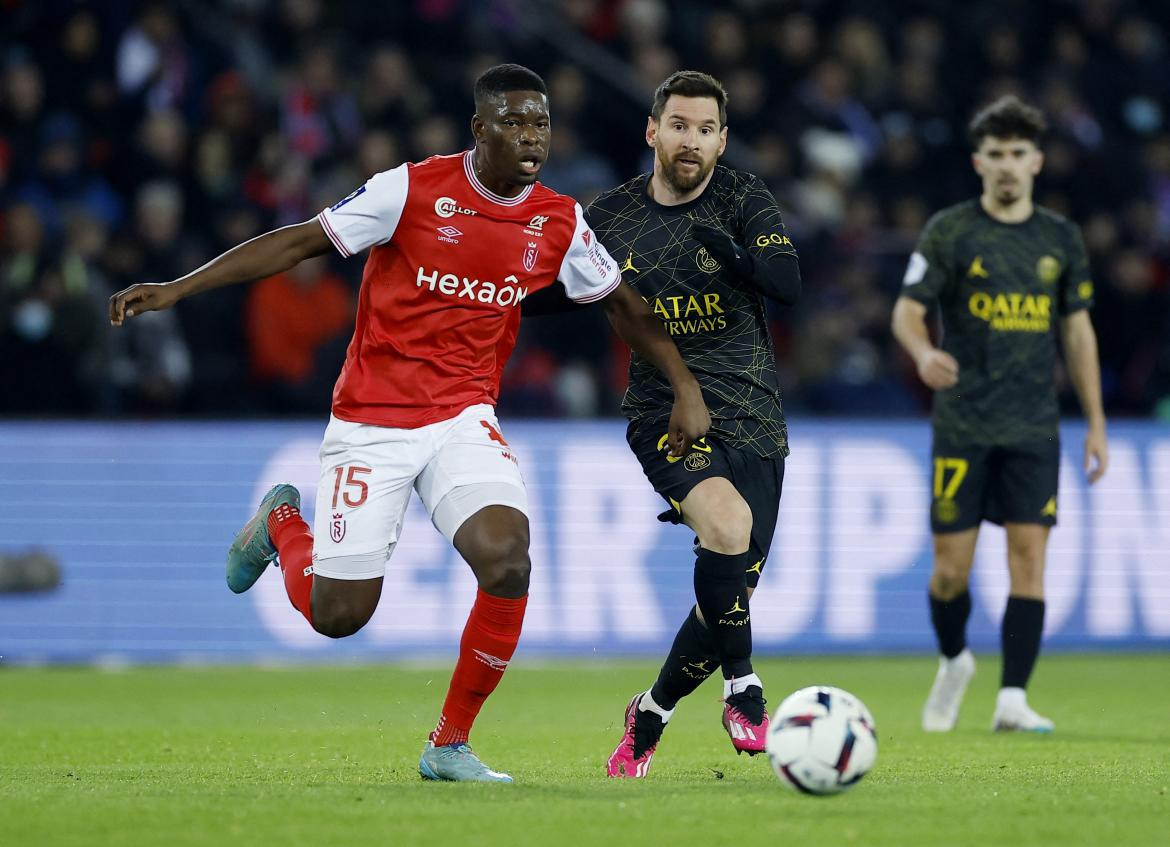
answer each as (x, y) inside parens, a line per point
(632, 757)
(746, 720)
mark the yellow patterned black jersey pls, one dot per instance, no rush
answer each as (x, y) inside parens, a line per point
(1001, 289)
(716, 319)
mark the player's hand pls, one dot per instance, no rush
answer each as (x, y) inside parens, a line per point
(1096, 454)
(938, 369)
(144, 297)
(723, 248)
(689, 420)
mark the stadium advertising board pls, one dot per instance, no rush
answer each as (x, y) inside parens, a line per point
(140, 516)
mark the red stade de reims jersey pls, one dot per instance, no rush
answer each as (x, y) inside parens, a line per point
(449, 264)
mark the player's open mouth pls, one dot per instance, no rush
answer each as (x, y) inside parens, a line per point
(530, 164)
(690, 163)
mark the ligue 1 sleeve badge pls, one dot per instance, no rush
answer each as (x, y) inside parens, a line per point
(337, 528)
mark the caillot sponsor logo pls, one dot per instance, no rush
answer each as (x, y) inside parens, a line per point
(1013, 312)
(445, 207)
(483, 291)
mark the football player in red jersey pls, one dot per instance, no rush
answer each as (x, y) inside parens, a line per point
(456, 244)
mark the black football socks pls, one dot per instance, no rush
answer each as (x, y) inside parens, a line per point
(691, 660)
(950, 622)
(1023, 626)
(721, 591)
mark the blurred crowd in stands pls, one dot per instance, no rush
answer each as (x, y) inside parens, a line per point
(140, 139)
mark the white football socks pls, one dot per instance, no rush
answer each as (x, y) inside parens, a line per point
(740, 684)
(647, 704)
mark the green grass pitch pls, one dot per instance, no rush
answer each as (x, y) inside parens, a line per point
(326, 756)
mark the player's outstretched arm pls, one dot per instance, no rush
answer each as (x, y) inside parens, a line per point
(1080, 354)
(641, 329)
(265, 255)
(937, 368)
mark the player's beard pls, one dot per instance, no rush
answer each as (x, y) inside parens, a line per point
(1008, 192)
(680, 181)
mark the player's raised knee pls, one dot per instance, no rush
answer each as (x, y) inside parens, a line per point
(338, 618)
(727, 528)
(504, 567)
(495, 543)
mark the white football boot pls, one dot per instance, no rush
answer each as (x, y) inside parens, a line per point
(946, 695)
(1012, 714)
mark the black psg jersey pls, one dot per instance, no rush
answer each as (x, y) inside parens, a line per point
(716, 319)
(1001, 289)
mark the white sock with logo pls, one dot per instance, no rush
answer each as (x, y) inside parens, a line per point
(740, 684)
(647, 704)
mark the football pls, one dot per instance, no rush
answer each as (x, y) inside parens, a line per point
(821, 740)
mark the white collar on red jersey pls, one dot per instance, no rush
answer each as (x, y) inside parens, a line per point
(483, 190)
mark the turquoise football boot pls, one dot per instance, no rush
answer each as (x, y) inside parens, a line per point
(456, 763)
(252, 550)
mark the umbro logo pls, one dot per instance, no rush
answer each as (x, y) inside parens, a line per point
(491, 661)
(450, 234)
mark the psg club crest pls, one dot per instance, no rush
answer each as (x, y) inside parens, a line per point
(530, 254)
(337, 528)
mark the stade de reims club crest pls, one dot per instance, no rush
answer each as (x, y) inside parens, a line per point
(530, 254)
(337, 528)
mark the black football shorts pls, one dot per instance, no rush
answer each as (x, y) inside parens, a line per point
(758, 480)
(1014, 483)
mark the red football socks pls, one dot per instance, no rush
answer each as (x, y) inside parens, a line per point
(488, 642)
(294, 542)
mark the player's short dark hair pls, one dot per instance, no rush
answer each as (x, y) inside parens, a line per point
(1007, 117)
(690, 84)
(504, 78)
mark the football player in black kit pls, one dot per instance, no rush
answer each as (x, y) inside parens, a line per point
(1009, 278)
(704, 245)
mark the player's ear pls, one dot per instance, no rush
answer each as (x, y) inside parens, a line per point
(977, 163)
(477, 128)
(1038, 163)
(651, 131)
(722, 140)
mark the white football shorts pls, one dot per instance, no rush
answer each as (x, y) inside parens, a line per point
(457, 466)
